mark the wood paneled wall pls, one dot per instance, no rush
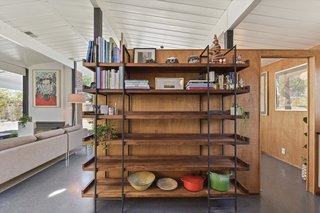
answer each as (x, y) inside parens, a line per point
(283, 129)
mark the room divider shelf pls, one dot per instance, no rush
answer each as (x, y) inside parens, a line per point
(166, 163)
(239, 91)
(178, 139)
(111, 188)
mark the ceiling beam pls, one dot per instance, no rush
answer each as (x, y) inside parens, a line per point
(232, 16)
(10, 33)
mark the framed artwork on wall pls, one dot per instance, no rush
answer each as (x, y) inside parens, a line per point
(291, 89)
(264, 93)
(46, 88)
(144, 55)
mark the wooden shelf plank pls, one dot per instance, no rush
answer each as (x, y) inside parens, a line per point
(178, 139)
(111, 188)
(165, 163)
(163, 67)
(244, 90)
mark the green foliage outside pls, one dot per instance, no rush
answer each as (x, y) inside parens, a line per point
(10, 104)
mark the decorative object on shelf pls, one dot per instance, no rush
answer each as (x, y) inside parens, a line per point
(88, 106)
(169, 83)
(193, 183)
(150, 61)
(144, 55)
(172, 60)
(239, 60)
(241, 83)
(75, 99)
(291, 89)
(304, 168)
(212, 76)
(93, 85)
(115, 109)
(263, 93)
(46, 88)
(215, 56)
(111, 111)
(141, 181)
(96, 108)
(167, 184)
(236, 109)
(105, 133)
(194, 59)
(220, 182)
(221, 81)
(104, 109)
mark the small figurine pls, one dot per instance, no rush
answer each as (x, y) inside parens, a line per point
(239, 60)
(216, 56)
(150, 61)
(241, 83)
(194, 59)
(172, 60)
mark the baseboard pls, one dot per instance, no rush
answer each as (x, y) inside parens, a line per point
(281, 160)
(20, 178)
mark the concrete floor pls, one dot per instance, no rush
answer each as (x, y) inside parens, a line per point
(58, 190)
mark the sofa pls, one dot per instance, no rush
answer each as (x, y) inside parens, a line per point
(20, 155)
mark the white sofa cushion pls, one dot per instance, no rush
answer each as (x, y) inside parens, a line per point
(49, 134)
(17, 141)
(72, 128)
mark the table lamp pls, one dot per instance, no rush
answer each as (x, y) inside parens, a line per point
(75, 99)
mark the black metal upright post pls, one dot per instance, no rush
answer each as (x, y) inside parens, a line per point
(235, 127)
(97, 31)
(123, 135)
(209, 119)
(25, 92)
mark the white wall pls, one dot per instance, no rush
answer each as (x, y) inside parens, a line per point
(62, 113)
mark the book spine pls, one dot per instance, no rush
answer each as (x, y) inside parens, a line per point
(88, 52)
(98, 77)
(107, 51)
(103, 77)
(121, 75)
(117, 84)
(104, 51)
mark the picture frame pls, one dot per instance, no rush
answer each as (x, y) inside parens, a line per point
(264, 93)
(291, 89)
(169, 83)
(46, 87)
(144, 55)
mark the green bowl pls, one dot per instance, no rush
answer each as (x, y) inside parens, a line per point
(220, 182)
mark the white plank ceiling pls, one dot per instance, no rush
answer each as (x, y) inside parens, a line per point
(67, 25)
(285, 24)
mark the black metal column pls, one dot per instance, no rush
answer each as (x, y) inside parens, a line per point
(228, 39)
(73, 89)
(97, 24)
(25, 93)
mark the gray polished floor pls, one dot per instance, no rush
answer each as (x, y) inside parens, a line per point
(57, 190)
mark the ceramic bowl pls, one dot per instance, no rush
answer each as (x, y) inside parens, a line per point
(167, 184)
(141, 181)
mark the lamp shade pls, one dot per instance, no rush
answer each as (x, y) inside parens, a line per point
(76, 98)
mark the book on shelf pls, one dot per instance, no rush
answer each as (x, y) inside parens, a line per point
(108, 51)
(110, 79)
(199, 88)
(137, 84)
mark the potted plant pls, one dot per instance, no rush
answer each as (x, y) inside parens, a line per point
(304, 159)
(25, 126)
(244, 116)
(105, 133)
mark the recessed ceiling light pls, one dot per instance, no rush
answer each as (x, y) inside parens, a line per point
(31, 34)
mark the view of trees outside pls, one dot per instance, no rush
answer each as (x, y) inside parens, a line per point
(87, 123)
(10, 109)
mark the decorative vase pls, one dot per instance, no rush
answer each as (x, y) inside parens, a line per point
(304, 172)
(233, 109)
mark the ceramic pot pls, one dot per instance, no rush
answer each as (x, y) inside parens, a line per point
(193, 183)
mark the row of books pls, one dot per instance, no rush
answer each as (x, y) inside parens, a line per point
(137, 84)
(199, 85)
(110, 79)
(108, 51)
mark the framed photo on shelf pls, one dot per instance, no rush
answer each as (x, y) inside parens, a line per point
(144, 55)
(46, 88)
(291, 89)
(264, 93)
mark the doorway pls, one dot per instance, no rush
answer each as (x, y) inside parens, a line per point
(284, 105)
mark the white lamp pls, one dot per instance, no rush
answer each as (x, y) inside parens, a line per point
(75, 99)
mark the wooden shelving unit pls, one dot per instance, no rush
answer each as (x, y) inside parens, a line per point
(111, 188)
(125, 161)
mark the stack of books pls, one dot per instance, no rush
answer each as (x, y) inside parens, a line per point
(108, 51)
(199, 85)
(110, 79)
(137, 84)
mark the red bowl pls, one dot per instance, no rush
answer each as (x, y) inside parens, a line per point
(193, 183)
